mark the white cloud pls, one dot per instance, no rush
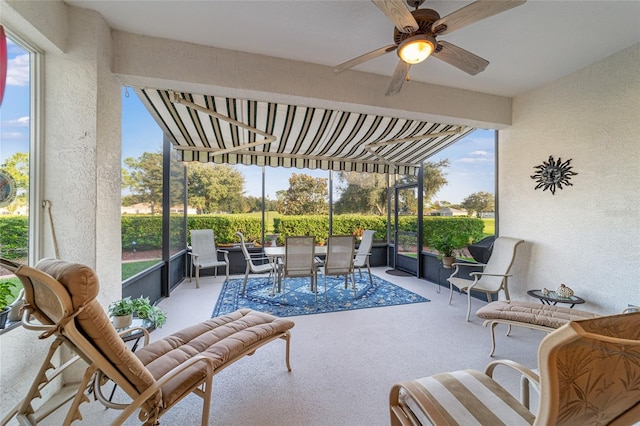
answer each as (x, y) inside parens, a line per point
(18, 122)
(476, 160)
(13, 135)
(18, 71)
(480, 153)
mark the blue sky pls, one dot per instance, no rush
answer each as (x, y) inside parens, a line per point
(14, 112)
(472, 159)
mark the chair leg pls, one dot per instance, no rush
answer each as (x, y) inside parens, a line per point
(450, 291)
(197, 277)
(468, 304)
(325, 288)
(353, 283)
(206, 399)
(246, 277)
(369, 270)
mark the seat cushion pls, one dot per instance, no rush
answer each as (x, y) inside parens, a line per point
(222, 339)
(532, 313)
(463, 398)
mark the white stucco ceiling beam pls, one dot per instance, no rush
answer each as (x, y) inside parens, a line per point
(168, 64)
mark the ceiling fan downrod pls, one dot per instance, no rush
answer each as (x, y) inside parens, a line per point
(415, 3)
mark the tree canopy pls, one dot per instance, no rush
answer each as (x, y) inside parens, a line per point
(143, 177)
(479, 202)
(361, 193)
(367, 193)
(306, 195)
(215, 188)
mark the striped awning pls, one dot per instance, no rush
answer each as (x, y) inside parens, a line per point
(242, 131)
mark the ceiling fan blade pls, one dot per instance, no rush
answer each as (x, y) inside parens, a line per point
(460, 58)
(471, 13)
(398, 78)
(364, 58)
(398, 13)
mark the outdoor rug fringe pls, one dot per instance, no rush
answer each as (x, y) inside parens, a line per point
(300, 300)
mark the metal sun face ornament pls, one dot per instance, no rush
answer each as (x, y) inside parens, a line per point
(552, 174)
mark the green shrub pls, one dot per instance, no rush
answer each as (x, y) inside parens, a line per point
(318, 225)
(14, 237)
(458, 230)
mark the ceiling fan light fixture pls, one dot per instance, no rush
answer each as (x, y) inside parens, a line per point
(417, 48)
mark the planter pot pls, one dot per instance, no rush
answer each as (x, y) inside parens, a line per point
(3, 316)
(447, 261)
(122, 321)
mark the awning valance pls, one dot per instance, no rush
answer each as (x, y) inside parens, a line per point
(242, 131)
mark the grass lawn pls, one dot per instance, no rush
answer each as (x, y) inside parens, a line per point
(129, 269)
(489, 227)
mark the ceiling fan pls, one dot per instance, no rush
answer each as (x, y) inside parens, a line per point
(415, 33)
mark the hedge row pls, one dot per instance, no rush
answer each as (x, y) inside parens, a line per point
(319, 226)
(146, 230)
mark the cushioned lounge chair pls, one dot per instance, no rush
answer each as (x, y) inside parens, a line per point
(589, 373)
(61, 302)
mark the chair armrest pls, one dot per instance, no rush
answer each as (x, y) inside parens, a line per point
(135, 329)
(469, 264)
(457, 266)
(226, 255)
(527, 376)
(490, 275)
(140, 399)
(525, 371)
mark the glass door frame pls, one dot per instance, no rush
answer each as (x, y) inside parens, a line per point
(419, 213)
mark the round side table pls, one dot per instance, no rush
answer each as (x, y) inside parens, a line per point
(553, 299)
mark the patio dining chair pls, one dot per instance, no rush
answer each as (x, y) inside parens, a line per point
(364, 253)
(299, 261)
(260, 268)
(494, 275)
(339, 260)
(204, 253)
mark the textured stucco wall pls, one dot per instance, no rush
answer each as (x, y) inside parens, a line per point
(586, 235)
(80, 175)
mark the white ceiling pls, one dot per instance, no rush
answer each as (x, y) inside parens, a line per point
(527, 46)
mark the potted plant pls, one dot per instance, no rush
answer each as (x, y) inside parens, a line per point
(6, 297)
(122, 312)
(446, 245)
(145, 310)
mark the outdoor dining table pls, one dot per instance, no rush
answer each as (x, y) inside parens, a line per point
(279, 252)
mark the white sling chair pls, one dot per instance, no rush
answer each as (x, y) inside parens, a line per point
(364, 253)
(269, 267)
(493, 277)
(205, 254)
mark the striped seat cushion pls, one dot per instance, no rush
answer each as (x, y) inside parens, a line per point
(466, 397)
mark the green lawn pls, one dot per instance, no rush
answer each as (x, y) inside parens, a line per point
(129, 269)
(489, 227)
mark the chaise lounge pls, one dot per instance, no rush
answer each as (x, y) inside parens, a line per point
(61, 296)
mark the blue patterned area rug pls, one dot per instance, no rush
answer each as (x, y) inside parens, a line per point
(300, 300)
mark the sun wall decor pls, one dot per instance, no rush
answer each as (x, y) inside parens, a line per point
(553, 174)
